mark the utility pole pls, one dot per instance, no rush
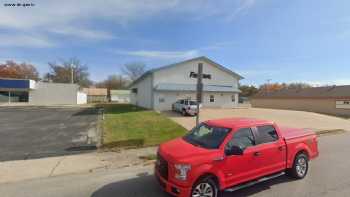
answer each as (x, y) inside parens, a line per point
(199, 89)
(267, 86)
(72, 73)
(120, 82)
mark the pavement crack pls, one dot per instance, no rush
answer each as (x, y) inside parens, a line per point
(57, 164)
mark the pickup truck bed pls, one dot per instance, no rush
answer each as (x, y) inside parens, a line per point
(297, 139)
(290, 133)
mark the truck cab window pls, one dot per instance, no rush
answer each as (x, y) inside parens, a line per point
(243, 138)
(206, 136)
(267, 134)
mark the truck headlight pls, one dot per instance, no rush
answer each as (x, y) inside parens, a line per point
(182, 171)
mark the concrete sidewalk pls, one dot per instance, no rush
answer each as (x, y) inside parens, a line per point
(13, 171)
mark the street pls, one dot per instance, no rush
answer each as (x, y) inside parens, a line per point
(328, 176)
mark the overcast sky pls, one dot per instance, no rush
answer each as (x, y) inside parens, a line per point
(285, 41)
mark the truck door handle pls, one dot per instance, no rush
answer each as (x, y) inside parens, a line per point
(281, 148)
(256, 154)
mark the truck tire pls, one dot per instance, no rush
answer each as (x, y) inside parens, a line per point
(205, 187)
(183, 112)
(300, 166)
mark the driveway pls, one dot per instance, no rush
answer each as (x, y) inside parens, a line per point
(35, 132)
(282, 117)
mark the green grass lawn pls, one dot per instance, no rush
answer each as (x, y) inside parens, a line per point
(128, 125)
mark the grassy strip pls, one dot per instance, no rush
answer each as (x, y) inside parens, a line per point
(131, 126)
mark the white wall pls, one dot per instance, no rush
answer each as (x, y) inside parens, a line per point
(143, 97)
(122, 98)
(180, 74)
(221, 100)
(81, 98)
(53, 94)
(32, 84)
(169, 98)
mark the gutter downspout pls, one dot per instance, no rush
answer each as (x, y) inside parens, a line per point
(152, 91)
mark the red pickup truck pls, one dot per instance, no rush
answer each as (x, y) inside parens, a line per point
(230, 154)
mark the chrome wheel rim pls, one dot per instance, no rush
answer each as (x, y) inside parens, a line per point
(203, 190)
(301, 166)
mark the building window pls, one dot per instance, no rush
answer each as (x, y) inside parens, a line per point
(134, 90)
(211, 99)
(342, 104)
(14, 97)
(4, 97)
(161, 100)
(233, 98)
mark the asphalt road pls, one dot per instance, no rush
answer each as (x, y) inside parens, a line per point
(329, 175)
(34, 132)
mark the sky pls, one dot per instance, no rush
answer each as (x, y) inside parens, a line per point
(279, 41)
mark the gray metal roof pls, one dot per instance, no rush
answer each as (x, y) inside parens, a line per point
(192, 87)
(203, 58)
(317, 92)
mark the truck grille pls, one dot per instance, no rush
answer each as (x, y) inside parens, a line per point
(162, 166)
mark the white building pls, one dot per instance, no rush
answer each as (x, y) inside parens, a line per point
(120, 96)
(159, 88)
(39, 93)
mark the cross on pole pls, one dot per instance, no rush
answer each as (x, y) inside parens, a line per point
(199, 90)
(199, 75)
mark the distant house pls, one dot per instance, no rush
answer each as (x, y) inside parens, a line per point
(334, 100)
(96, 95)
(159, 88)
(120, 96)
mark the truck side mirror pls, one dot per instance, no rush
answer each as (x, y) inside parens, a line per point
(234, 150)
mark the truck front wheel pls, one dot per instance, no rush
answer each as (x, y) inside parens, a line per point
(300, 166)
(205, 187)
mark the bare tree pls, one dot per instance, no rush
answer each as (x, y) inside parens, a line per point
(66, 70)
(134, 70)
(113, 82)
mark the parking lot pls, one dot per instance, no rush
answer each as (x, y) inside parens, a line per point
(299, 119)
(35, 132)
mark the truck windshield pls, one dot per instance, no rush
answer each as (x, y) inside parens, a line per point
(206, 136)
(193, 102)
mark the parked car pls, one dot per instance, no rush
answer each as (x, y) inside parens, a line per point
(186, 107)
(230, 154)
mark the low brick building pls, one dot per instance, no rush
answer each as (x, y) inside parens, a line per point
(333, 100)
